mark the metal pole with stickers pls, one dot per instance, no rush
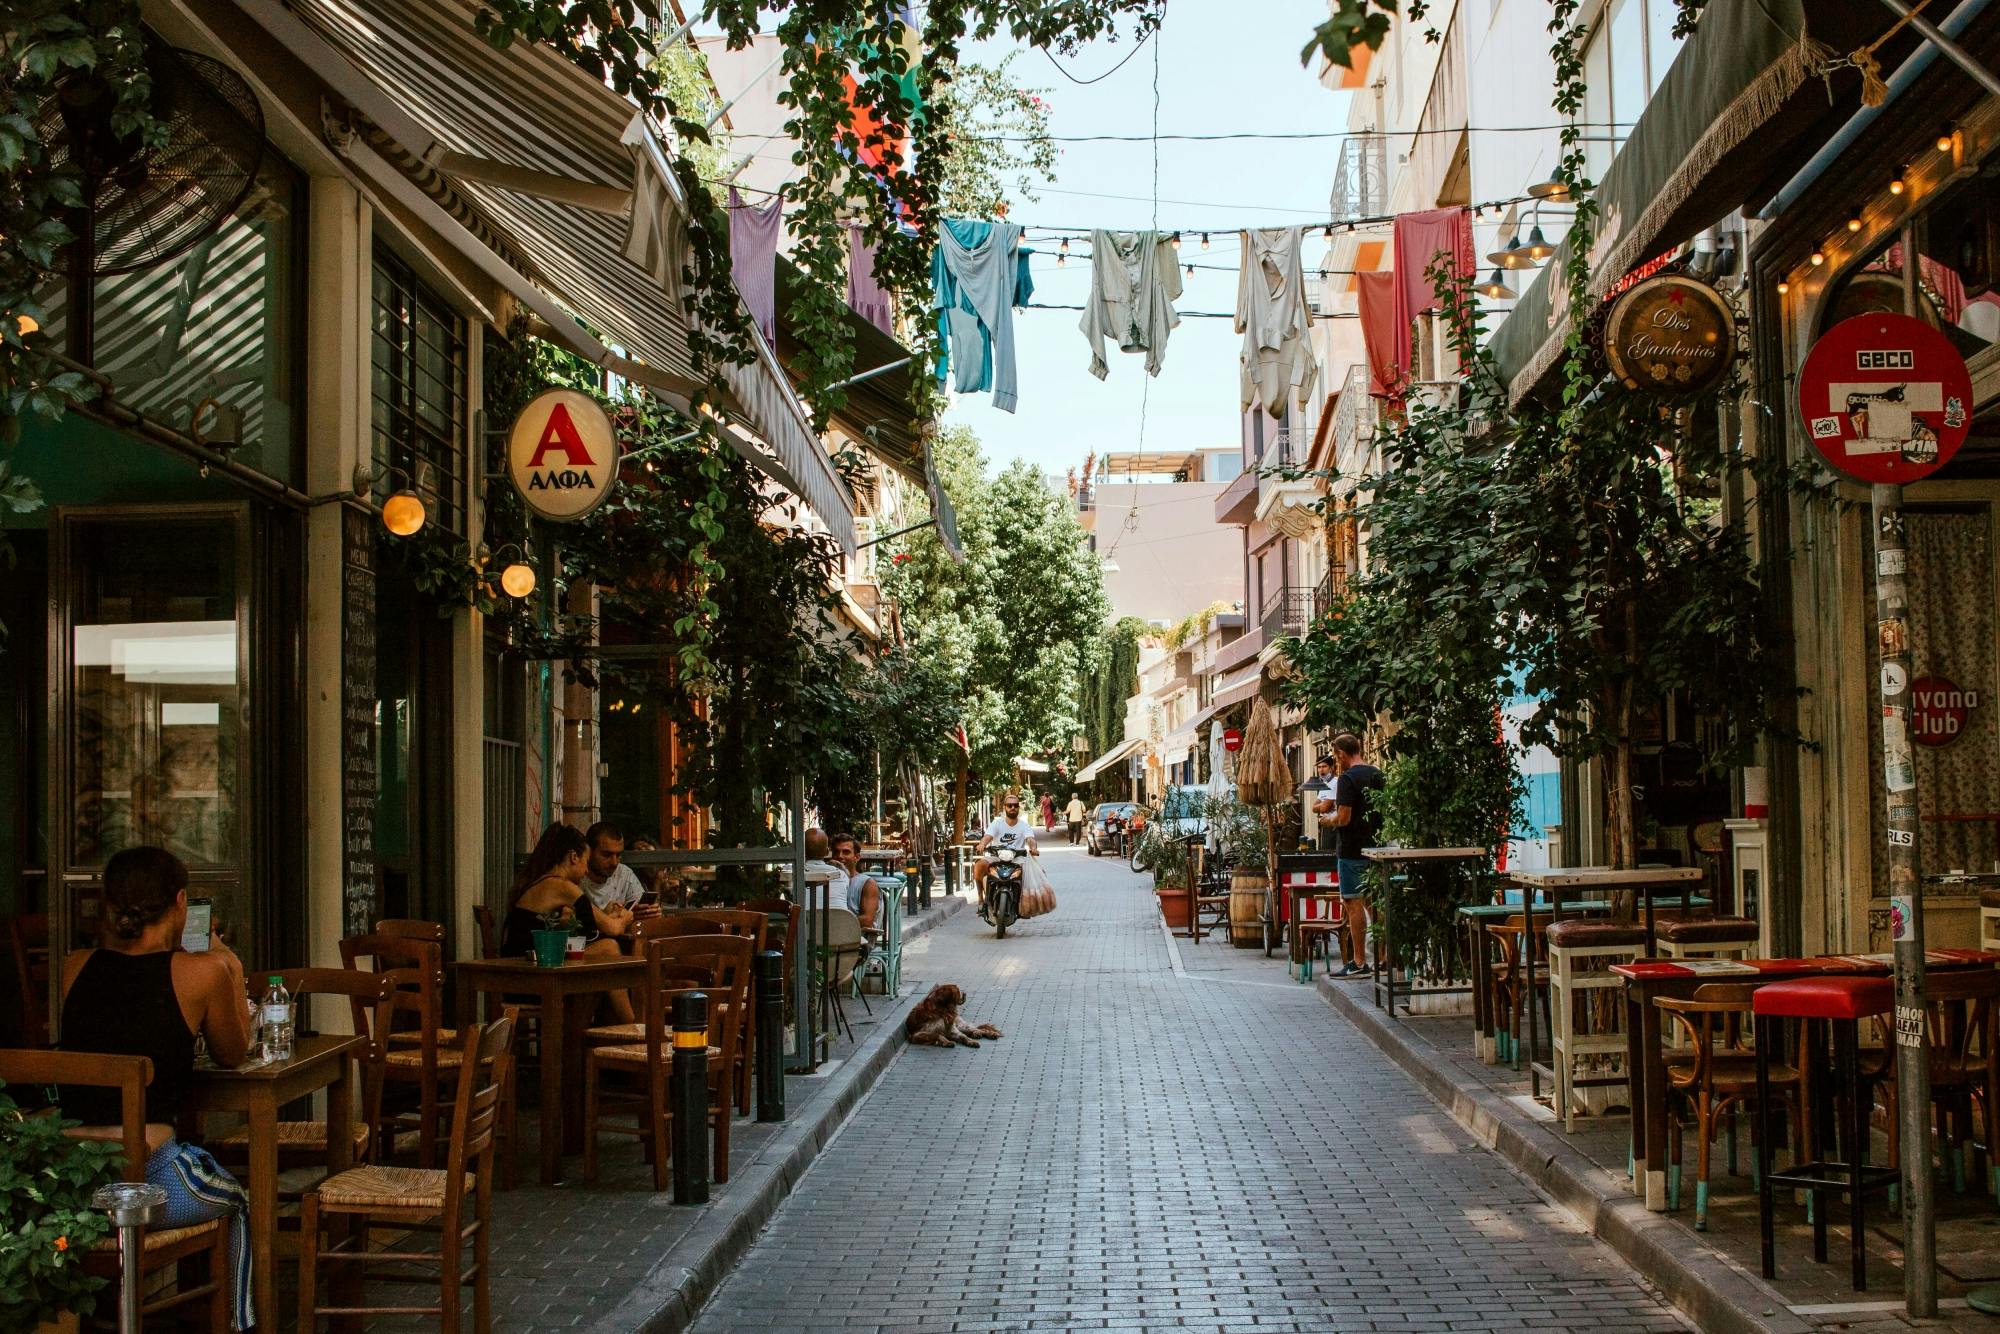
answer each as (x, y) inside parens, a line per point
(1886, 400)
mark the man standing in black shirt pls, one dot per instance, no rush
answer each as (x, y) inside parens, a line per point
(1355, 826)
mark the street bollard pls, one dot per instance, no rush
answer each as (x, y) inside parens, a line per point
(134, 1206)
(687, 1095)
(924, 869)
(910, 886)
(770, 1036)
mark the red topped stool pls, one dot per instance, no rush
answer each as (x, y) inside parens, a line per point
(1835, 1005)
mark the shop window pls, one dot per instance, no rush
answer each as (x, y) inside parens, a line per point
(1624, 59)
(418, 392)
(1960, 262)
(209, 343)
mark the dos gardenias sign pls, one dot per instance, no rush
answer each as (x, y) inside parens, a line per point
(562, 455)
(1671, 334)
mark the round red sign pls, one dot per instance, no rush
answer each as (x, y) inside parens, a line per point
(1232, 740)
(1885, 398)
(1938, 710)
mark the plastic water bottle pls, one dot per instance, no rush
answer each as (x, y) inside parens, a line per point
(277, 1034)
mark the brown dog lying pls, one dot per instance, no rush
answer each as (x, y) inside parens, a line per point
(935, 1021)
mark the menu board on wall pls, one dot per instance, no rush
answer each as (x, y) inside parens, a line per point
(357, 722)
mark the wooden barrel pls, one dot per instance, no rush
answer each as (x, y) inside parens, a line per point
(1247, 891)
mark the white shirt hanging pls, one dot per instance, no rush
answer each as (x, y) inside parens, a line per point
(1272, 314)
(1133, 283)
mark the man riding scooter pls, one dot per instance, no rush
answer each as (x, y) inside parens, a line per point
(1013, 834)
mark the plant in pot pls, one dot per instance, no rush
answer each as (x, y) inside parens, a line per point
(47, 1222)
(552, 938)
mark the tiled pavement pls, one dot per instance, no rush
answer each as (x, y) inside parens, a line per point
(1212, 1150)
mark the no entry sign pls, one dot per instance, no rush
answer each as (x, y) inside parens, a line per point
(1885, 398)
(1232, 740)
(562, 455)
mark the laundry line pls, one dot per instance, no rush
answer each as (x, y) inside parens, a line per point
(1193, 314)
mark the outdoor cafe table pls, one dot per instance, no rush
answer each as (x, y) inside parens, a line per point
(1473, 920)
(320, 1062)
(562, 993)
(1647, 980)
(1410, 860)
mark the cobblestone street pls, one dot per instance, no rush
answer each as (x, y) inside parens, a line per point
(1146, 1150)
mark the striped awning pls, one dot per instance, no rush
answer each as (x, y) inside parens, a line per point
(1109, 758)
(529, 109)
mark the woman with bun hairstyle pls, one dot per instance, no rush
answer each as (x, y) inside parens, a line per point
(138, 993)
(552, 882)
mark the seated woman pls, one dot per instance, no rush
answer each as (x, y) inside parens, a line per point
(138, 993)
(552, 882)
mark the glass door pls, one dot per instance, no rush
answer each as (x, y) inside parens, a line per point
(148, 669)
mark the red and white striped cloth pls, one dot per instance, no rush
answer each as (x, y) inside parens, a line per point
(1312, 882)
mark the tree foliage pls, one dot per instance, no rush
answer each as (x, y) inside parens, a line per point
(997, 145)
(1115, 680)
(1014, 628)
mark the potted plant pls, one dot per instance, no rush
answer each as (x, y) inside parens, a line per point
(551, 939)
(47, 1223)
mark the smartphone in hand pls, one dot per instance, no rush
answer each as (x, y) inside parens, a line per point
(200, 919)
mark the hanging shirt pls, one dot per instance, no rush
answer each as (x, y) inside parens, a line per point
(1133, 283)
(865, 296)
(753, 259)
(1421, 239)
(1273, 315)
(980, 273)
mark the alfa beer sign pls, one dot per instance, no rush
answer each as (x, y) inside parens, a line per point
(562, 455)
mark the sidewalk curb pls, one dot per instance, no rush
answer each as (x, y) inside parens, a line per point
(669, 1298)
(1711, 1288)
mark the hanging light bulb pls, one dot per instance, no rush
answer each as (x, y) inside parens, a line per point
(1204, 240)
(518, 579)
(1538, 247)
(1896, 184)
(1495, 287)
(403, 512)
(1327, 231)
(1818, 257)
(1945, 137)
(1061, 258)
(1064, 247)
(1177, 240)
(1513, 255)
(1854, 221)
(1190, 270)
(1784, 287)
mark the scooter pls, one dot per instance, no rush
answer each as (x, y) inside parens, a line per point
(1000, 896)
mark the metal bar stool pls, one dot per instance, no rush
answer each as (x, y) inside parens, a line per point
(1838, 1004)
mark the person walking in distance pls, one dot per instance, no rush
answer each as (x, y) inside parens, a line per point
(1355, 826)
(1074, 813)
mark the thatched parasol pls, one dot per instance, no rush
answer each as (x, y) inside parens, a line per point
(1262, 776)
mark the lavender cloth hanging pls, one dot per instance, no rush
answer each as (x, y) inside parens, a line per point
(753, 259)
(868, 298)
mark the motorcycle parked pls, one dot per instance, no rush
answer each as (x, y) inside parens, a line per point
(1000, 896)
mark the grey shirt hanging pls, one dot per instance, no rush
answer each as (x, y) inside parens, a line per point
(1133, 283)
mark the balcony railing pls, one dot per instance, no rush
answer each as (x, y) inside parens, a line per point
(1286, 612)
(1331, 592)
(1361, 177)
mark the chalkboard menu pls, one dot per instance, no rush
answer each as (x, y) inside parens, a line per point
(357, 721)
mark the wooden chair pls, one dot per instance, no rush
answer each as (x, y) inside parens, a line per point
(411, 928)
(426, 1059)
(1208, 899)
(1711, 1077)
(403, 1199)
(303, 1143)
(164, 1247)
(529, 1030)
(489, 931)
(749, 923)
(28, 938)
(647, 1062)
(1964, 1023)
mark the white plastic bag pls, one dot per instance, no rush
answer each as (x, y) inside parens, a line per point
(1036, 895)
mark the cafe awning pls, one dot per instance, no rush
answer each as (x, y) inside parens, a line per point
(1234, 690)
(525, 164)
(1110, 757)
(1753, 94)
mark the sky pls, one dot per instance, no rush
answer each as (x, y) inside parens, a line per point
(1219, 70)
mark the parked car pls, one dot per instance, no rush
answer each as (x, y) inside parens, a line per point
(1099, 834)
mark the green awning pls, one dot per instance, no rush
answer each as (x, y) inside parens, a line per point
(1743, 107)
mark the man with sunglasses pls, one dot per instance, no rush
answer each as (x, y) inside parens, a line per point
(1008, 830)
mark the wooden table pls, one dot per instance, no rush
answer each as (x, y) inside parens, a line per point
(562, 993)
(1384, 976)
(1645, 1060)
(317, 1063)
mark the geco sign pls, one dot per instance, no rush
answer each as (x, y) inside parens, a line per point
(1938, 710)
(562, 455)
(1885, 398)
